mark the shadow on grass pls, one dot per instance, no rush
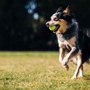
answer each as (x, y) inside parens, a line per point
(87, 77)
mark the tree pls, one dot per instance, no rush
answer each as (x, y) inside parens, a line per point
(22, 22)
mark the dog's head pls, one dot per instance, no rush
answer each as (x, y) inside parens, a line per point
(60, 19)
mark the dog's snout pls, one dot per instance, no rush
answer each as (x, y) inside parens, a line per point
(47, 24)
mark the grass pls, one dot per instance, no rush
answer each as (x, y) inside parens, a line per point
(38, 71)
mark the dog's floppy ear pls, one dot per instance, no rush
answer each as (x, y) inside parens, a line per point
(67, 10)
(59, 9)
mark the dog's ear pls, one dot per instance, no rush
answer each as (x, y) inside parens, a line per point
(59, 9)
(67, 10)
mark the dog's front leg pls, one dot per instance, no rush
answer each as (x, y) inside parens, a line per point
(61, 56)
(66, 59)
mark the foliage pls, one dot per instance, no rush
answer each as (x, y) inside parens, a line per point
(19, 30)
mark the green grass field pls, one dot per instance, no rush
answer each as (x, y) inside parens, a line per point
(38, 71)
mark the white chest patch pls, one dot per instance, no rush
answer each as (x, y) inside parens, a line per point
(66, 43)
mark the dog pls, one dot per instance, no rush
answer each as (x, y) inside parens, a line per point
(74, 45)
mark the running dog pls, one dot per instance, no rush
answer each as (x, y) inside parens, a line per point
(74, 45)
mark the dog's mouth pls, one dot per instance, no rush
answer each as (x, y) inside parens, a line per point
(56, 28)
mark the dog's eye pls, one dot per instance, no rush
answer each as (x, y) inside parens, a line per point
(55, 19)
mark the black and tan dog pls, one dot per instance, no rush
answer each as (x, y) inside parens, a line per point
(74, 44)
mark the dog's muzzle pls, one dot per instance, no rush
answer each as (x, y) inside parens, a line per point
(47, 24)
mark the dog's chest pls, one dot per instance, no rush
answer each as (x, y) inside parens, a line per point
(63, 43)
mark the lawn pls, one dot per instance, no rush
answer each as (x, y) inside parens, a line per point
(38, 71)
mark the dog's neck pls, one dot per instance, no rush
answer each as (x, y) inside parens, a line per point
(72, 30)
(73, 23)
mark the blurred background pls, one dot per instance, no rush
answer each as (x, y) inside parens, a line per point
(22, 23)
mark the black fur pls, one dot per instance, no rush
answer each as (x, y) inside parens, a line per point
(64, 16)
(84, 45)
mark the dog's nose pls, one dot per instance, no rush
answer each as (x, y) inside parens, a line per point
(47, 24)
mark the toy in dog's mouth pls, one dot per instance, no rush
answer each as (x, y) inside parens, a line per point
(54, 28)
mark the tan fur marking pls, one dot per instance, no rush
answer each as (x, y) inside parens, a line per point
(72, 41)
(67, 11)
(63, 26)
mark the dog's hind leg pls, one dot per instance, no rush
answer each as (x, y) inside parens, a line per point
(79, 67)
(80, 74)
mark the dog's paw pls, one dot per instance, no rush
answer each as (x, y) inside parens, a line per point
(66, 67)
(80, 76)
(64, 62)
(74, 77)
